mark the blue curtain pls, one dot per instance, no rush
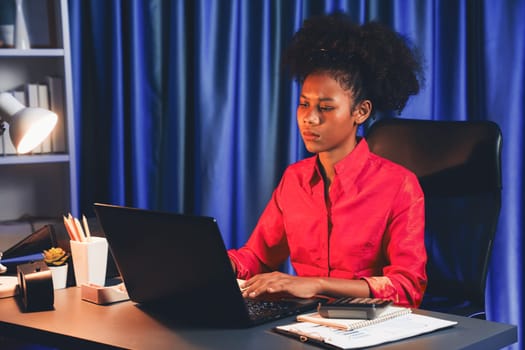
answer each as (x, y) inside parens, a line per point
(181, 105)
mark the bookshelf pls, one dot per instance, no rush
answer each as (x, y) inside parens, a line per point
(41, 184)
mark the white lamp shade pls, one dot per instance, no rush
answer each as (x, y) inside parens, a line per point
(28, 127)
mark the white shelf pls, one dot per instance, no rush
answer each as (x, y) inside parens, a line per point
(41, 184)
(31, 53)
(33, 159)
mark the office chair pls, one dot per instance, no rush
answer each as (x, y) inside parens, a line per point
(458, 165)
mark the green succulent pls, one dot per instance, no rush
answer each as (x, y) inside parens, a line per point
(55, 256)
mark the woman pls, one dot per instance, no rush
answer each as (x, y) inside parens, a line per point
(351, 222)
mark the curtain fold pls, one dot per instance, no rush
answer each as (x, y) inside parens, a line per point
(173, 39)
(503, 96)
(182, 105)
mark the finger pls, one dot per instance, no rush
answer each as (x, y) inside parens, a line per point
(256, 287)
(249, 286)
(270, 286)
(242, 284)
(272, 282)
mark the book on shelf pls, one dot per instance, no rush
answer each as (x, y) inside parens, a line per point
(57, 105)
(390, 326)
(37, 96)
(31, 90)
(43, 102)
(32, 101)
(20, 95)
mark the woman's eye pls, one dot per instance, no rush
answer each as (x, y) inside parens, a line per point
(326, 108)
(303, 104)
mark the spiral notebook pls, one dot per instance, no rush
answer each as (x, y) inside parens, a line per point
(356, 334)
(350, 324)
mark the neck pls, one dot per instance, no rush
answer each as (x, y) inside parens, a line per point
(328, 160)
(328, 173)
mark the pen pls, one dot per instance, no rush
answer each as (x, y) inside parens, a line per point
(70, 230)
(86, 228)
(73, 227)
(80, 230)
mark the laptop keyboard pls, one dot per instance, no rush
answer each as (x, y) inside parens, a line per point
(258, 309)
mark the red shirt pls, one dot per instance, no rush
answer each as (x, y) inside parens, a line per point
(372, 230)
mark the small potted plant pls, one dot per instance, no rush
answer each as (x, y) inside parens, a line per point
(56, 259)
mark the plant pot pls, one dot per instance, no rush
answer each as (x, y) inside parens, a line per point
(59, 276)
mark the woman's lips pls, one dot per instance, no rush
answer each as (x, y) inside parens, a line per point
(310, 136)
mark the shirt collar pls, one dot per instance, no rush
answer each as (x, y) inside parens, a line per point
(348, 168)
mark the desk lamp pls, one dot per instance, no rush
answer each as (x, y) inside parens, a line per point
(28, 126)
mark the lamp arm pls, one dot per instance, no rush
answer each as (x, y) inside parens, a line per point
(9, 106)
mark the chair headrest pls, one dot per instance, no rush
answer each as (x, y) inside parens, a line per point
(449, 157)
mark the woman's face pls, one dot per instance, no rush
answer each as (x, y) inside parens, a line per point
(325, 116)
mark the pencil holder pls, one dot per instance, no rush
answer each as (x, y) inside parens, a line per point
(90, 260)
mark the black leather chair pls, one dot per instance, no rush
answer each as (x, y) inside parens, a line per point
(459, 167)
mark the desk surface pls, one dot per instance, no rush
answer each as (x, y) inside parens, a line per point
(79, 324)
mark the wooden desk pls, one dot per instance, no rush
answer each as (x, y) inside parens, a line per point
(76, 324)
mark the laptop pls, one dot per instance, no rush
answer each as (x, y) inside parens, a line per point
(177, 265)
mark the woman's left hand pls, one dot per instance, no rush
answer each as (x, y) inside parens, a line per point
(278, 282)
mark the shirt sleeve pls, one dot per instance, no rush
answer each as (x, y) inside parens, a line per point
(404, 279)
(267, 246)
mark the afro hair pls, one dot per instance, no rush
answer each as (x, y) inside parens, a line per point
(371, 60)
